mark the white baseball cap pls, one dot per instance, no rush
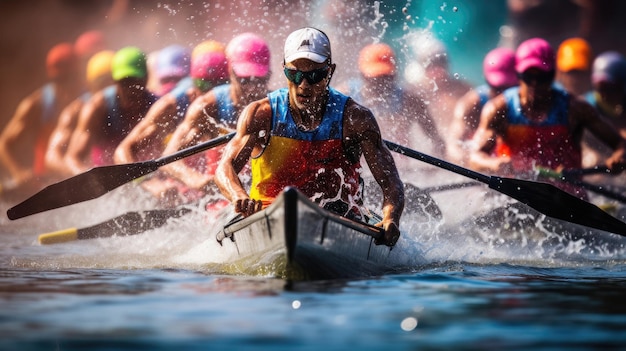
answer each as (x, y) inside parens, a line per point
(308, 43)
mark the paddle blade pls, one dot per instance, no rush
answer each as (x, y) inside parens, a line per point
(556, 203)
(82, 187)
(130, 223)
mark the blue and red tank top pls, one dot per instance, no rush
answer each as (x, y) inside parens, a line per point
(313, 161)
(47, 124)
(548, 143)
(115, 127)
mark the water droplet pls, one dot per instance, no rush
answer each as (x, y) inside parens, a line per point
(408, 324)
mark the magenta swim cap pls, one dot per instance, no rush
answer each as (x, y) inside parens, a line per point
(534, 53)
(249, 55)
(499, 68)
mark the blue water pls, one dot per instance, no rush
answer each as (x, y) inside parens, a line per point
(449, 306)
(487, 289)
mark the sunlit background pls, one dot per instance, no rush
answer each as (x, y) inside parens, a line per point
(468, 28)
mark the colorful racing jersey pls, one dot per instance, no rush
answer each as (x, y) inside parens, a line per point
(313, 161)
(547, 143)
(115, 127)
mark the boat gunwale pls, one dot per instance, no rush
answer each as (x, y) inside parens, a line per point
(240, 223)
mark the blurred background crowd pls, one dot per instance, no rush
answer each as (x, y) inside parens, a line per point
(469, 28)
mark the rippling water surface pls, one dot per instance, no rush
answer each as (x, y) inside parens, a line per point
(485, 286)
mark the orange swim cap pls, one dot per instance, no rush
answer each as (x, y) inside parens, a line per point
(574, 54)
(99, 66)
(207, 46)
(61, 61)
(377, 60)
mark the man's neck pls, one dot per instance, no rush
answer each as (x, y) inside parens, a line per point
(309, 119)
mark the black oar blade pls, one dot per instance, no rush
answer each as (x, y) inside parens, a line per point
(131, 223)
(82, 187)
(556, 203)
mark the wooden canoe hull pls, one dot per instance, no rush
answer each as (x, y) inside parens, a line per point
(309, 242)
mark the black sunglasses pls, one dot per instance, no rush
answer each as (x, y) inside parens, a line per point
(252, 80)
(313, 77)
(529, 77)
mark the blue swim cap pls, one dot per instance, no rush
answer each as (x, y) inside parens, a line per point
(173, 61)
(609, 66)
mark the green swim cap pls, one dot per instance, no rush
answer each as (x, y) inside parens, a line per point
(129, 62)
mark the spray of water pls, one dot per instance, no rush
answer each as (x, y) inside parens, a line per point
(476, 226)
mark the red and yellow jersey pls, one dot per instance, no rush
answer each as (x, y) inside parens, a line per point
(312, 161)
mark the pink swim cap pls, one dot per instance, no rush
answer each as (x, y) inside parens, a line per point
(535, 53)
(249, 55)
(499, 68)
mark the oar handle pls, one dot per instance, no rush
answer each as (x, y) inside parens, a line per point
(573, 177)
(130, 223)
(572, 173)
(586, 171)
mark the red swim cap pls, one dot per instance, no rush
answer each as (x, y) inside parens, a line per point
(61, 61)
(377, 60)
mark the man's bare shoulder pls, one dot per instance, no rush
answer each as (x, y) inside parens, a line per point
(203, 104)
(469, 99)
(262, 105)
(165, 102)
(257, 115)
(497, 103)
(579, 105)
(358, 119)
(73, 108)
(95, 107)
(355, 110)
(30, 104)
(205, 100)
(97, 98)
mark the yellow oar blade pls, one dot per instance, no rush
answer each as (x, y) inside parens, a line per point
(60, 236)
